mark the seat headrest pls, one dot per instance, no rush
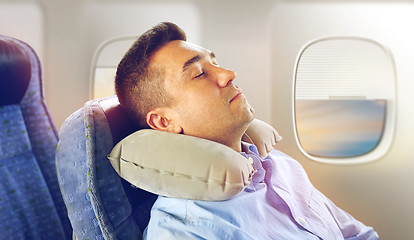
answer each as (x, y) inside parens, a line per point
(120, 124)
(15, 70)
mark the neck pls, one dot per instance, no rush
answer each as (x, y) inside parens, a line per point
(235, 145)
(235, 142)
(232, 141)
(233, 138)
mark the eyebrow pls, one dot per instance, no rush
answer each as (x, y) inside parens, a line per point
(195, 59)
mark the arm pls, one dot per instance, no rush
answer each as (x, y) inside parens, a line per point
(351, 228)
(263, 136)
(289, 174)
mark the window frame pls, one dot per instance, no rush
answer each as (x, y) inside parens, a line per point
(385, 141)
(98, 53)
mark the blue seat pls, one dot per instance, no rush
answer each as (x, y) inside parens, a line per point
(31, 205)
(100, 204)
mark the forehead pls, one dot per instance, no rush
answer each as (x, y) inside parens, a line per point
(175, 53)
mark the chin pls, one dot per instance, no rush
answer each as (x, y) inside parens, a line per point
(250, 113)
(249, 116)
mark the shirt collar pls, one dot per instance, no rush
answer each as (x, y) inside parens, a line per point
(250, 151)
(249, 148)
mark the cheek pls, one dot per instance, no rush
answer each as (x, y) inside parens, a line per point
(203, 97)
(203, 100)
(200, 108)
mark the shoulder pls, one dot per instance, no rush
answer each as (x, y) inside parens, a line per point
(286, 168)
(278, 154)
(282, 159)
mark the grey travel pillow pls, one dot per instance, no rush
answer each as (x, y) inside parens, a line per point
(181, 166)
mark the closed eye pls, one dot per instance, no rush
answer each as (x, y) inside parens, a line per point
(199, 75)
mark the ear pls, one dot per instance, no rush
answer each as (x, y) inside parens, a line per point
(158, 119)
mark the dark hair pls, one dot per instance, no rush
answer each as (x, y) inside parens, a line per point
(15, 71)
(140, 87)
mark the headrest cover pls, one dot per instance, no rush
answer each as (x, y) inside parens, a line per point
(118, 120)
(15, 71)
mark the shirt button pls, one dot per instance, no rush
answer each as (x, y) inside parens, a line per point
(302, 220)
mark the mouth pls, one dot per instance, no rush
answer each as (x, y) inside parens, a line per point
(236, 94)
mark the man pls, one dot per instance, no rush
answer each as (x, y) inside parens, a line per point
(172, 85)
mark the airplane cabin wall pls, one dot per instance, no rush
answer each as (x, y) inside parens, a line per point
(379, 193)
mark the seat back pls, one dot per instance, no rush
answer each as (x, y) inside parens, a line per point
(31, 205)
(100, 204)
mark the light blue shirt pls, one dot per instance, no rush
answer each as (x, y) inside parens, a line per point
(279, 203)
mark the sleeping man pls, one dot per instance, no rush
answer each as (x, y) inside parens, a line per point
(169, 84)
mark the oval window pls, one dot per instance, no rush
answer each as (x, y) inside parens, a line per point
(107, 57)
(344, 106)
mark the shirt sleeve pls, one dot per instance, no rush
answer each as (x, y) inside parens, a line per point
(351, 228)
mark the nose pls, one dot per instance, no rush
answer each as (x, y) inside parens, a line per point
(225, 77)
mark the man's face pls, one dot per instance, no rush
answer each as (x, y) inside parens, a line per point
(205, 101)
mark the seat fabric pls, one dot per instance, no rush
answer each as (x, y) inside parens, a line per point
(100, 204)
(31, 205)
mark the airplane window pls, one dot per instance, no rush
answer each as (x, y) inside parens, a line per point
(104, 82)
(339, 128)
(344, 99)
(108, 56)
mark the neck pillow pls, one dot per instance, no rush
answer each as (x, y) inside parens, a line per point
(181, 166)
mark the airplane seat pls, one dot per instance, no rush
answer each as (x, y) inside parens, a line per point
(100, 204)
(31, 205)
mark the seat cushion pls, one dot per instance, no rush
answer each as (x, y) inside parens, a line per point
(26, 203)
